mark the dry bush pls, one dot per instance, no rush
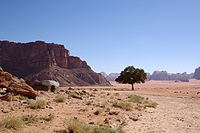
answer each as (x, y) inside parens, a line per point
(76, 126)
(18, 97)
(136, 99)
(75, 94)
(48, 118)
(150, 104)
(59, 98)
(123, 105)
(38, 104)
(29, 119)
(11, 123)
(141, 100)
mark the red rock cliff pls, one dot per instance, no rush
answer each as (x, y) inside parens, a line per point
(29, 60)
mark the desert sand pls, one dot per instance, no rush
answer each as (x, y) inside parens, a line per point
(177, 110)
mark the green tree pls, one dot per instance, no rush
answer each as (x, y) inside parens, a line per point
(132, 75)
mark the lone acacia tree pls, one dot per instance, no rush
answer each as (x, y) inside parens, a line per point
(132, 75)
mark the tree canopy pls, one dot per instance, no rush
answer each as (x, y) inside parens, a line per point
(132, 75)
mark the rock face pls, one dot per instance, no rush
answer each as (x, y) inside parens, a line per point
(15, 85)
(47, 61)
(197, 73)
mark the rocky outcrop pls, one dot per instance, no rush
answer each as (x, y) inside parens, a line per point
(15, 85)
(47, 61)
(46, 85)
(5, 79)
(197, 73)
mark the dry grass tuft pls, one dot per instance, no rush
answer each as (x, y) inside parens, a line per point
(123, 105)
(150, 104)
(48, 118)
(39, 104)
(136, 99)
(76, 126)
(18, 97)
(29, 119)
(141, 100)
(11, 123)
(59, 99)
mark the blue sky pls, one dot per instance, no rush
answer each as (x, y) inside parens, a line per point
(111, 34)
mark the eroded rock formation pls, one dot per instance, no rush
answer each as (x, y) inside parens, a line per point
(47, 61)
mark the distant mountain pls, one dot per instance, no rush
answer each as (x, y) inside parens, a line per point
(111, 76)
(164, 75)
(104, 74)
(197, 73)
(159, 75)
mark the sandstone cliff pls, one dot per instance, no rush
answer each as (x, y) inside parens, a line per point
(41, 60)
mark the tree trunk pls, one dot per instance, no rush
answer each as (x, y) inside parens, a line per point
(133, 87)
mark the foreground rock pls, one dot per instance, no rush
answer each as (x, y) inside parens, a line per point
(46, 85)
(15, 85)
(47, 61)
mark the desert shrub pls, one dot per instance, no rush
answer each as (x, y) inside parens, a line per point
(74, 94)
(139, 107)
(48, 118)
(144, 101)
(38, 104)
(29, 119)
(150, 104)
(18, 97)
(11, 123)
(76, 126)
(59, 98)
(136, 99)
(123, 105)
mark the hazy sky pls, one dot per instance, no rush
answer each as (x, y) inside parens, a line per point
(111, 34)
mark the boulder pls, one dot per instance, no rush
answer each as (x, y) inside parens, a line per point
(46, 85)
(15, 85)
(5, 79)
(22, 88)
(6, 97)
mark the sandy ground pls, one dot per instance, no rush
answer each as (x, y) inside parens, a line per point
(178, 109)
(173, 115)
